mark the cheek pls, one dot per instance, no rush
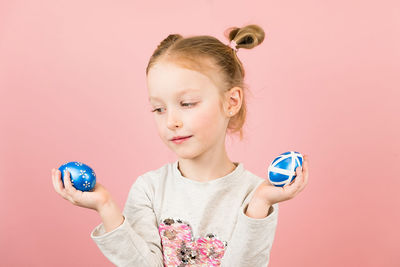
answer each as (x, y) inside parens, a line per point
(206, 120)
(161, 127)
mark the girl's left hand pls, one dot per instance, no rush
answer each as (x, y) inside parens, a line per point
(270, 194)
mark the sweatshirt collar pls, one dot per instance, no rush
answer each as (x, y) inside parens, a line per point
(237, 172)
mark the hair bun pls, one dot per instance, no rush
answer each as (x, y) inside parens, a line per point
(246, 37)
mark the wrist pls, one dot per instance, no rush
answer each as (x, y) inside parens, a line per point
(258, 209)
(261, 193)
(107, 206)
(111, 215)
(260, 200)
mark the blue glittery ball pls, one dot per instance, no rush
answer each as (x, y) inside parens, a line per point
(282, 170)
(82, 176)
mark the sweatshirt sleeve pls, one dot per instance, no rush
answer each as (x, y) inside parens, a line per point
(136, 242)
(252, 239)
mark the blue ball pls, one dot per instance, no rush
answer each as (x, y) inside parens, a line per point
(82, 176)
(282, 170)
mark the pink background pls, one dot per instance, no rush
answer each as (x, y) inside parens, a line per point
(325, 82)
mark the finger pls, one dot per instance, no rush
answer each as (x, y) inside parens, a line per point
(72, 194)
(294, 185)
(68, 184)
(56, 181)
(53, 180)
(305, 172)
(299, 178)
(58, 185)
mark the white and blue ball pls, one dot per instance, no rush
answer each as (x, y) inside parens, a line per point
(82, 176)
(282, 170)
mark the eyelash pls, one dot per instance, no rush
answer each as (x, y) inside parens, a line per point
(183, 104)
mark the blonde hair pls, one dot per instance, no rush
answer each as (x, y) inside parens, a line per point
(215, 59)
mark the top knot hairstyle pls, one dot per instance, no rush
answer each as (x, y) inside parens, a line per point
(217, 60)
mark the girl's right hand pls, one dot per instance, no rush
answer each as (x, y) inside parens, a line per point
(94, 199)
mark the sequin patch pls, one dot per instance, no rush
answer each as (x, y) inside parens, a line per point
(182, 250)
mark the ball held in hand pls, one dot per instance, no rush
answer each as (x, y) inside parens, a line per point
(282, 170)
(82, 176)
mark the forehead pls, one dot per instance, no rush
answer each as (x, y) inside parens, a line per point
(169, 80)
(178, 93)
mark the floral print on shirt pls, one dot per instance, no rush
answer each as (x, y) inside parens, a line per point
(182, 250)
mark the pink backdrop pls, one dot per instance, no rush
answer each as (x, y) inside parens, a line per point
(325, 82)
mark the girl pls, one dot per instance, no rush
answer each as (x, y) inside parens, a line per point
(203, 209)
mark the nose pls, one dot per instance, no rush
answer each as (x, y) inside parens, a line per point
(173, 120)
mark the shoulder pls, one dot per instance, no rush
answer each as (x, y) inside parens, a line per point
(147, 183)
(151, 179)
(154, 176)
(252, 179)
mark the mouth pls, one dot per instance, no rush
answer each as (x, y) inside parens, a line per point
(180, 140)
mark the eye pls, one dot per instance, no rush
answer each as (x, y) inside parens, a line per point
(157, 109)
(188, 104)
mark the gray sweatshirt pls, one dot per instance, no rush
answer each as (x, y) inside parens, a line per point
(170, 220)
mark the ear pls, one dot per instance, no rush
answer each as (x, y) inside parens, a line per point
(233, 99)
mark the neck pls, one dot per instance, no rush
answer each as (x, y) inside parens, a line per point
(206, 170)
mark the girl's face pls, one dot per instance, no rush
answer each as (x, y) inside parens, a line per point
(186, 103)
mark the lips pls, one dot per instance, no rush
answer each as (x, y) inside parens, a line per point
(180, 137)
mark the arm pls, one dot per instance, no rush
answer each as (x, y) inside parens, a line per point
(253, 236)
(257, 209)
(130, 238)
(111, 216)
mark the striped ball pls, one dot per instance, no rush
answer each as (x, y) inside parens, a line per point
(282, 170)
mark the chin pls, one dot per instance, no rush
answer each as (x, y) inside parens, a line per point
(186, 153)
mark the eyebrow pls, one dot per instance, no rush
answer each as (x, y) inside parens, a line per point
(179, 93)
